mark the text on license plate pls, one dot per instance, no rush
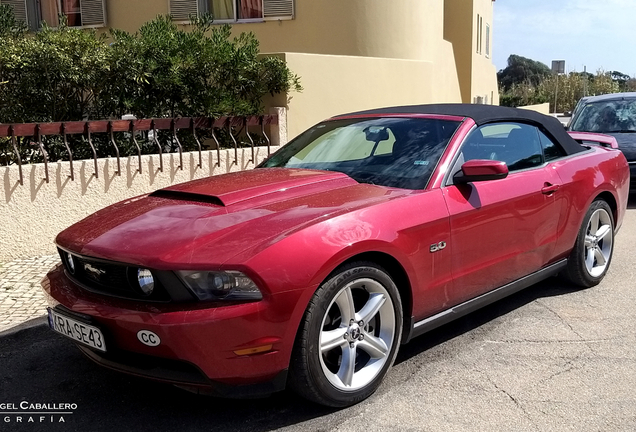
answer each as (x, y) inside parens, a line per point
(76, 330)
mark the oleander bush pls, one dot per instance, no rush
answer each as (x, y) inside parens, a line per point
(66, 74)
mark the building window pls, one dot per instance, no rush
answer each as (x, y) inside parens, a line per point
(233, 10)
(50, 11)
(236, 9)
(479, 33)
(488, 40)
(78, 13)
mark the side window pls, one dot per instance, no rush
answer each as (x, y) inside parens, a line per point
(516, 144)
(551, 151)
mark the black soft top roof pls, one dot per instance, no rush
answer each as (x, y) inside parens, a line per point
(483, 114)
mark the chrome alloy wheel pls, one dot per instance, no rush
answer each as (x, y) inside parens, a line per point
(357, 334)
(598, 242)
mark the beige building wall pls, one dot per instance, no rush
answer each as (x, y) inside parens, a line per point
(543, 108)
(469, 26)
(484, 73)
(442, 32)
(403, 29)
(458, 30)
(340, 84)
(130, 15)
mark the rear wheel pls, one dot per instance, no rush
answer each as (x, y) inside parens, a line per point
(348, 338)
(590, 259)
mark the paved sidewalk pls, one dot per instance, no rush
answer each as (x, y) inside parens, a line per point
(21, 297)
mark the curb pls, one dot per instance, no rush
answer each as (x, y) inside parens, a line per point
(34, 322)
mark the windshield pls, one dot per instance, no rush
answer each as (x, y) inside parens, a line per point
(606, 117)
(394, 152)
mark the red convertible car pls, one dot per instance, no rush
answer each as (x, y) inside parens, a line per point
(362, 233)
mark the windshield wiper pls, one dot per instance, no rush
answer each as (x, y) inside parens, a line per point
(620, 131)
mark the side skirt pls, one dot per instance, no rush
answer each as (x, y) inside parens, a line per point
(444, 317)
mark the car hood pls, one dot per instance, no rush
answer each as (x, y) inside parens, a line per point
(210, 220)
(626, 143)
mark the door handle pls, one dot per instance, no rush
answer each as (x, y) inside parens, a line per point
(549, 188)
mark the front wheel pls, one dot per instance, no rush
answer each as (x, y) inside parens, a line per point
(590, 259)
(348, 338)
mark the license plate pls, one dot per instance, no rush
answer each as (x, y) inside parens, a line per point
(76, 330)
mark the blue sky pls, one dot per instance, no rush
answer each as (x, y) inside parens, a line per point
(599, 34)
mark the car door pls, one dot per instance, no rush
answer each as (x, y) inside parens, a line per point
(502, 230)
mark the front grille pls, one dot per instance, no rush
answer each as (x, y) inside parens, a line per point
(109, 278)
(109, 275)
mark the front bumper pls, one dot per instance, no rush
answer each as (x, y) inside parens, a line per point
(198, 343)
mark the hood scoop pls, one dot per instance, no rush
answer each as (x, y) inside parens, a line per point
(178, 195)
(237, 187)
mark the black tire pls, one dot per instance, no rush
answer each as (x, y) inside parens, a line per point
(340, 372)
(583, 269)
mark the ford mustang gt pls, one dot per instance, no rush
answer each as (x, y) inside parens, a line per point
(362, 233)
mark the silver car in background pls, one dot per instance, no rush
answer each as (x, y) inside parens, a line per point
(612, 114)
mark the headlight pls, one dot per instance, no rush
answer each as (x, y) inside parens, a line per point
(217, 285)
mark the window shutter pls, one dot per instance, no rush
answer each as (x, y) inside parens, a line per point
(182, 9)
(19, 9)
(93, 12)
(278, 8)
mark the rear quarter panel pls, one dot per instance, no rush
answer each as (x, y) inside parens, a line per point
(585, 176)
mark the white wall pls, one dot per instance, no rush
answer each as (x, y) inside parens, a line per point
(32, 214)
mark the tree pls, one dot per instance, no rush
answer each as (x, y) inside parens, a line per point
(620, 78)
(521, 95)
(630, 85)
(54, 75)
(529, 82)
(571, 88)
(9, 25)
(522, 70)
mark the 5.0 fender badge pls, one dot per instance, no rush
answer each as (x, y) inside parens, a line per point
(149, 338)
(438, 246)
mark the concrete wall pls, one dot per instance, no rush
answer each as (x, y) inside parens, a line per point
(32, 214)
(339, 84)
(542, 108)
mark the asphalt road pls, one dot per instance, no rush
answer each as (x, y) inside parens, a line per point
(551, 358)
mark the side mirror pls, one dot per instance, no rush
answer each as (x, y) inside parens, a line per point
(481, 170)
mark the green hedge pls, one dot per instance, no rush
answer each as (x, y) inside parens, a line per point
(65, 74)
(62, 74)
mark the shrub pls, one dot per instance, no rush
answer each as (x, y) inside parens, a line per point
(65, 74)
